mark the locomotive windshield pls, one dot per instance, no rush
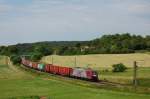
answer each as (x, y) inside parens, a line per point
(95, 75)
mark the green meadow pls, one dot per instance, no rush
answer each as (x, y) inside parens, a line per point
(18, 83)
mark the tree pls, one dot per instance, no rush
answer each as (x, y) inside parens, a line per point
(36, 56)
(4, 51)
(15, 59)
(147, 40)
(12, 50)
(78, 45)
(44, 50)
(119, 67)
(62, 50)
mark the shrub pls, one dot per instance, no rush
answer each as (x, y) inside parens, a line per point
(119, 67)
(15, 59)
(36, 56)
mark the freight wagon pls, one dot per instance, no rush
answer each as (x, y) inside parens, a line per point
(81, 73)
(41, 67)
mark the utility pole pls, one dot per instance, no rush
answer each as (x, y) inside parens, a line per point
(6, 60)
(75, 61)
(135, 74)
(52, 59)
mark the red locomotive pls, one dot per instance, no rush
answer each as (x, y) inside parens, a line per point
(76, 72)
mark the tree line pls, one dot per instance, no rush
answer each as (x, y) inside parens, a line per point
(107, 44)
(121, 43)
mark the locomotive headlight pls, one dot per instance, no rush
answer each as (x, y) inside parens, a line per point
(95, 75)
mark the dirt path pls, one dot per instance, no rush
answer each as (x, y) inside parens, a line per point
(17, 72)
(11, 66)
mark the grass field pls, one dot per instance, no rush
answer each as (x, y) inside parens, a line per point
(103, 63)
(143, 76)
(100, 60)
(16, 83)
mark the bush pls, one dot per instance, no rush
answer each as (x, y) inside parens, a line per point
(36, 56)
(44, 50)
(119, 67)
(15, 59)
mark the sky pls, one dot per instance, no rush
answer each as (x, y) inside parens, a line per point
(24, 21)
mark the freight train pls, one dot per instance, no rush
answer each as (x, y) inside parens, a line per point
(76, 72)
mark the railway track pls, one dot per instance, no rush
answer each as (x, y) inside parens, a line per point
(110, 83)
(98, 83)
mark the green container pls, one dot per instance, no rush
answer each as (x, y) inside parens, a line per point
(41, 66)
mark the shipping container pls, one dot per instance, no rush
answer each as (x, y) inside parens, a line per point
(65, 71)
(56, 70)
(34, 65)
(51, 69)
(47, 67)
(41, 66)
(27, 63)
(23, 61)
(30, 64)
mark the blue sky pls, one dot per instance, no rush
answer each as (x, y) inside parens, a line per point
(57, 20)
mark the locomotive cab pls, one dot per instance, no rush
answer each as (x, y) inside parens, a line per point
(95, 76)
